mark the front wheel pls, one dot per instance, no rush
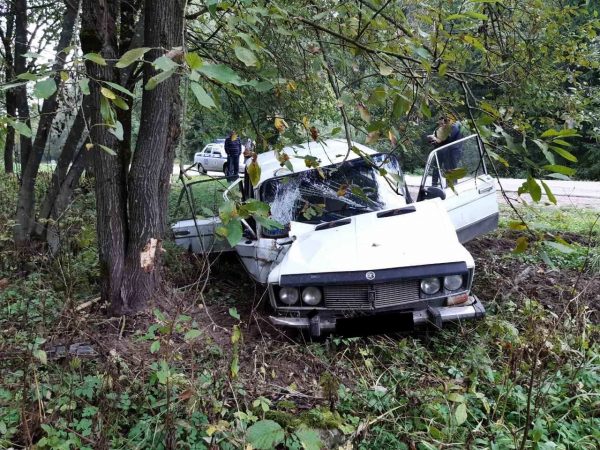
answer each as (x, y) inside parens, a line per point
(225, 168)
(201, 169)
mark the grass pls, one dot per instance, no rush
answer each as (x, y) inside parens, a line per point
(203, 369)
(206, 197)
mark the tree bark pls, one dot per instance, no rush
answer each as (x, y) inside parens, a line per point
(152, 162)
(21, 47)
(72, 143)
(99, 35)
(26, 200)
(11, 101)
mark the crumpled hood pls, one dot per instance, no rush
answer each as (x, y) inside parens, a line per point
(425, 236)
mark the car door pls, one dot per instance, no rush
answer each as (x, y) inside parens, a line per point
(457, 174)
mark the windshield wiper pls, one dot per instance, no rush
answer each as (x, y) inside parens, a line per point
(396, 212)
(334, 224)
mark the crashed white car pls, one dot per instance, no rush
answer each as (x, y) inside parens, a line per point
(356, 252)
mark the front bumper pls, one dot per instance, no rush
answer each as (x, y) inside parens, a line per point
(319, 323)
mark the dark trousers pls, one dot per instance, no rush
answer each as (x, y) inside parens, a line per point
(233, 166)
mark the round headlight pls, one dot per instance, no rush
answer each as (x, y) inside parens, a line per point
(311, 295)
(288, 295)
(453, 282)
(430, 285)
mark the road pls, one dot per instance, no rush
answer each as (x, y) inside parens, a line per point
(584, 194)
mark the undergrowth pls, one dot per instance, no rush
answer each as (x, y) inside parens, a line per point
(204, 370)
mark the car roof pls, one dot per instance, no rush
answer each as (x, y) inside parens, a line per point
(329, 152)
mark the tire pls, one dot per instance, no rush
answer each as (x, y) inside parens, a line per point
(201, 169)
(225, 168)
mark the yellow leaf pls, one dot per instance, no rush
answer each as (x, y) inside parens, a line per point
(108, 93)
(372, 137)
(89, 146)
(291, 86)
(280, 124)
(64, 75)
(392, 138)
(364, 113)
(305, 122)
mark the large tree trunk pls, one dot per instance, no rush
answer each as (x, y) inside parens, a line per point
(20, 92)
(26, 200)
(11, 101)
(72, 143)
(154, 153)
(99, 35)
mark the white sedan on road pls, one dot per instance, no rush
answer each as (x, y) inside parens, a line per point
(213, 158)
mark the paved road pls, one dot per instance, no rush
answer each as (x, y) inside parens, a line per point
(568, 193)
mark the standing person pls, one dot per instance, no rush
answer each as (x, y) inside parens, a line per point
(233, 148)
(448, 130)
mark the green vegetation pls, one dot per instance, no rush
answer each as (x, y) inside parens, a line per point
(203, 369)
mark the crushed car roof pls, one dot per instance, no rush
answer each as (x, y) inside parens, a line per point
(331, 151)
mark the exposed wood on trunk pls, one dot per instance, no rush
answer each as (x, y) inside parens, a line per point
(155, 151)
(26, 200)
(98, 34)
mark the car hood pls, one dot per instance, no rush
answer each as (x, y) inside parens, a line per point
(422, 235)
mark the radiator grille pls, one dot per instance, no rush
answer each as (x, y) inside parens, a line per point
(364, 296)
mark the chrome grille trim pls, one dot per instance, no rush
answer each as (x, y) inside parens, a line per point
(365, 296)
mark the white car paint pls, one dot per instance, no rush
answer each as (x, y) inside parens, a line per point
(414, 239)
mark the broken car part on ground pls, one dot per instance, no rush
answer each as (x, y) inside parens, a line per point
(354, 248)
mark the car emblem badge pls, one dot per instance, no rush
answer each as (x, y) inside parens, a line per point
(370, 275)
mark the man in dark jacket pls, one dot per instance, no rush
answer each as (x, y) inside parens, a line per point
(233, 148)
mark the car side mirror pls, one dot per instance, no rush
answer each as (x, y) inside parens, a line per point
(429, 192)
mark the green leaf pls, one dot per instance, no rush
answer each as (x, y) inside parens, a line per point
(192, 334)
(474, 42)
(476, 15)
(309, 438)
(544, 148)
(118, 87)
(442, 69)
(41, 356)
(157, 79)
(202, 96)
(401, 106)
(564, 153)
(265, 435)
(193, 60)
(96, 58)
(117, 130)
(534, 189)
(559, 169)
(455, 397)
(548, 192)
(20, 127)
(84, 85)
(108, 150)
(155, 347)
(234, 231)
(522, 244)
(28, 76)
(460, 414)
(120, 103)
(164, 63)
(563, 248)
(246, 56)
(234, 313)
(131, 56)
(222, 74)
(108, 93)
(253, 170)
(44, 88)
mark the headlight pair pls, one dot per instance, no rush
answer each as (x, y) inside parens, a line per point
(433, 285)
(311, 295)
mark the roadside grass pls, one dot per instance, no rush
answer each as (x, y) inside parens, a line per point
(204, 370)
(206, 195)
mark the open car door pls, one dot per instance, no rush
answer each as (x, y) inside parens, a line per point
(457, 174)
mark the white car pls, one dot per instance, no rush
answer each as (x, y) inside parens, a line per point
(355, 250)
(213, 158)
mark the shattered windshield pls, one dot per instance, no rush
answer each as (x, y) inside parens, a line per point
(331, 193)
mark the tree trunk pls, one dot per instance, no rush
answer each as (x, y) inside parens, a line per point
(26, 200)
(20, 92)
(99, 35)
(154, 154)
(63, 197)
(11, 101)
(72, 143)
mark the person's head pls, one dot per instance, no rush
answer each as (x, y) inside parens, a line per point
(445, 120)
